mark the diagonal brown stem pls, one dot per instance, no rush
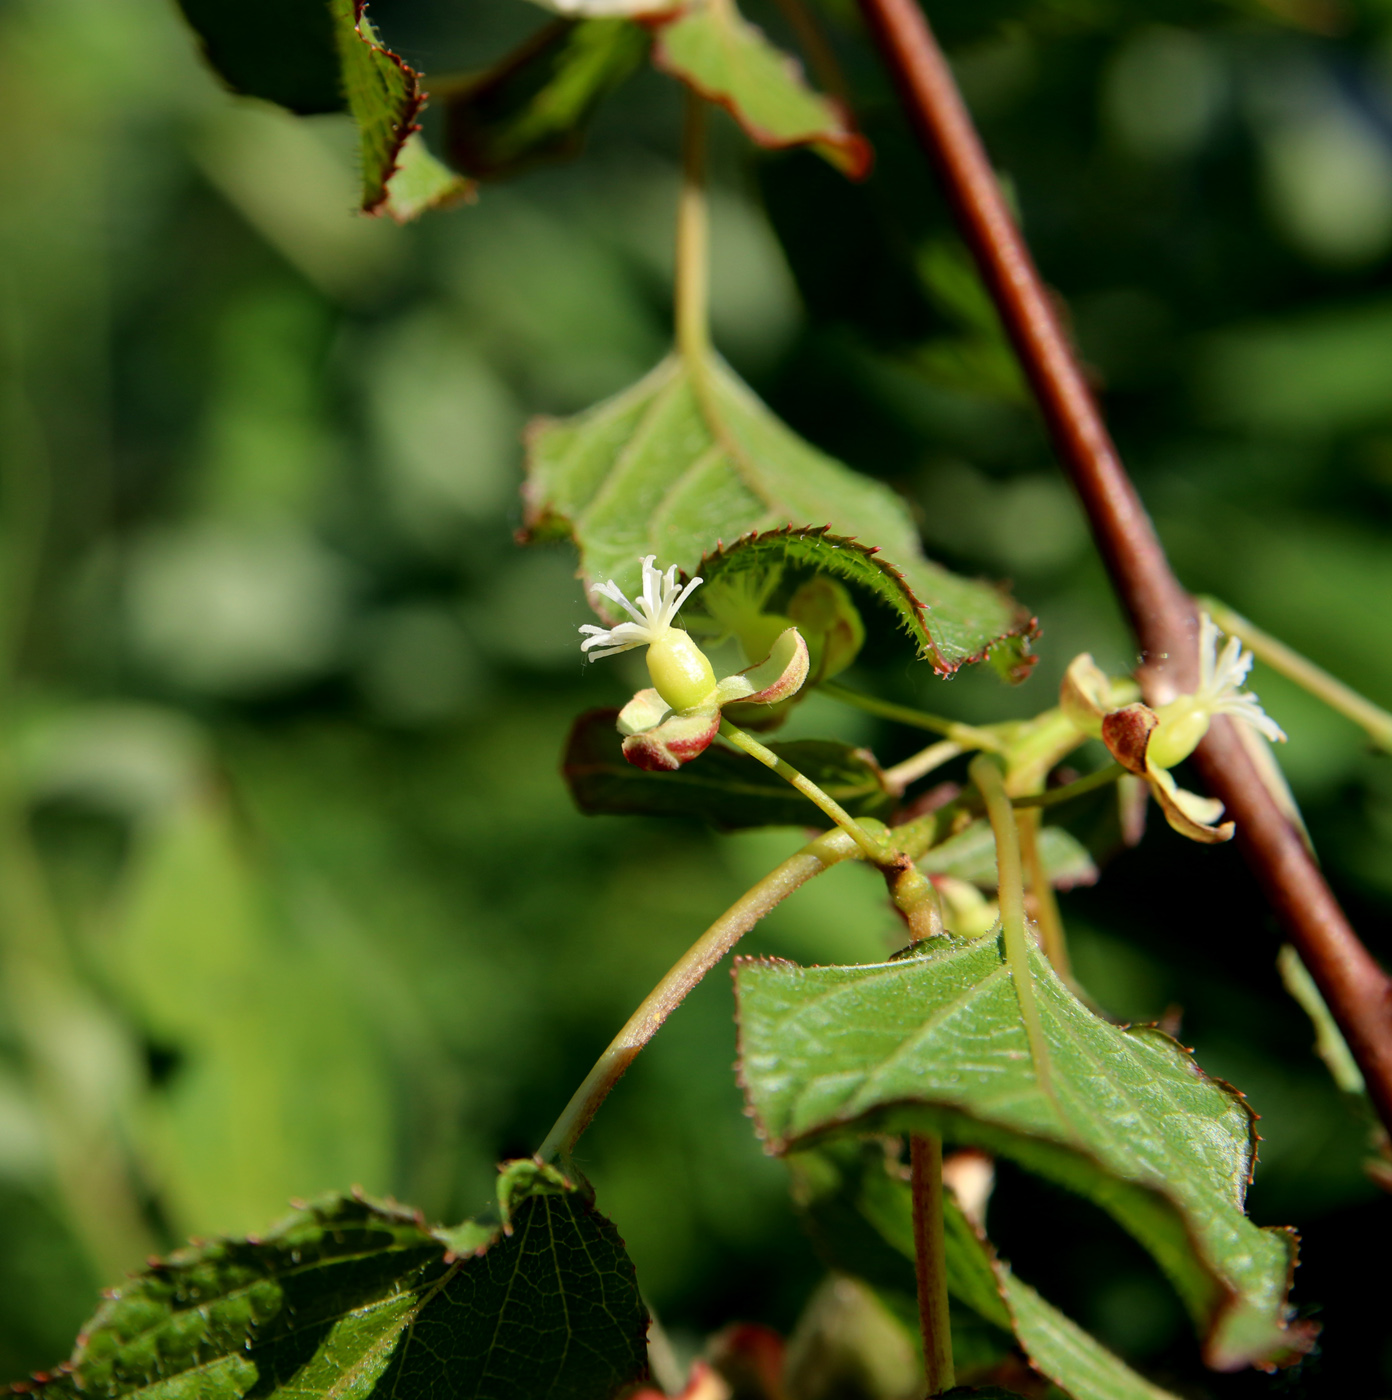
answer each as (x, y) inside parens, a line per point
(1358, 991)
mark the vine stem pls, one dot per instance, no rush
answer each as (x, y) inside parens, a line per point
(1010, 878)
(930, 1261)
(1357, 990)
(684, 974)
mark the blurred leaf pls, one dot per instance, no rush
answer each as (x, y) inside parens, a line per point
(936, 1042)
(971, 856)
(673, 467)
(354, 1297)
(729, 790)
(219, 990)
(859, 1209)
(716, 52)
(533, 106)
(282, 50)
(399, 176)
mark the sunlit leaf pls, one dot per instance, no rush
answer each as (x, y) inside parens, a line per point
(352, 1297)
(714, 50)
(667, 470)
(727, 789)
(859, 1209)
(936, 1042)
(534, 105)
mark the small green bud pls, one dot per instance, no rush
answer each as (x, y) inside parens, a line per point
(831, 622)
(680, 671)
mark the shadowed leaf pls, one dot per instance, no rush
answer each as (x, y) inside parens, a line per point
(533, 106)
(859, 1209)
(351, 1297)
(714, 50)
(673, 468)
(936, 1042)
(729, 790)
(281, 50)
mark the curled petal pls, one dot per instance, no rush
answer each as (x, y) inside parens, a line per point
(676, 740)
(780, 674)
(1086, 694)
(1188, 813)
(645, 711)
(1126, 733)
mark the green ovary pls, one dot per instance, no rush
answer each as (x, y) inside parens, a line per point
(1183, 723)
(679, 670)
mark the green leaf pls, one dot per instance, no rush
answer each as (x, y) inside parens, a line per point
(859, 1210)
(971, 856)
(385, 97)
(353, 1297)
(674, 467)
(281, 50)
(533, 106)
(211, 960)
(936, 1042)
(729, 790)
(719, 54)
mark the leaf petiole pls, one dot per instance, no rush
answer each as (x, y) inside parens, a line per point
(991, 784)
(967, 735)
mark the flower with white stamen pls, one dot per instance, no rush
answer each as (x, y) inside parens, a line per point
(653, 616)
(1185, 720)
(678, 718)
(1149, 742)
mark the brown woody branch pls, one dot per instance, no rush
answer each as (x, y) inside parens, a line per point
(1162, 613)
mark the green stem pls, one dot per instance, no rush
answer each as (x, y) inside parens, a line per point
(919, 765)
(968, 736)
(1046, 910)
(990, 783)
(872, 849)
(1373, 719)
(692, 294)
(684, 974)
(1069, 791)
(930, 1261)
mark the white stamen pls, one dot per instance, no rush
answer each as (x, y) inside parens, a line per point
(653, 615)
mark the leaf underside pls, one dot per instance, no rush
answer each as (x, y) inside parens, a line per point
(533, 106)
(858, 1208)
(349, 1297)
(399, 176)
(729, 790)
(971, 856)
(936, 1043)
(725, 59)
(664, 469)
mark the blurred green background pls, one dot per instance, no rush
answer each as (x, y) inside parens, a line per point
(292, 896)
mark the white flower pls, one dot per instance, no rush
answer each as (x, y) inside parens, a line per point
(1185, 720)
(657, 608)
(677, 719)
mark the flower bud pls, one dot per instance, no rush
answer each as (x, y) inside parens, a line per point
(831, 622)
